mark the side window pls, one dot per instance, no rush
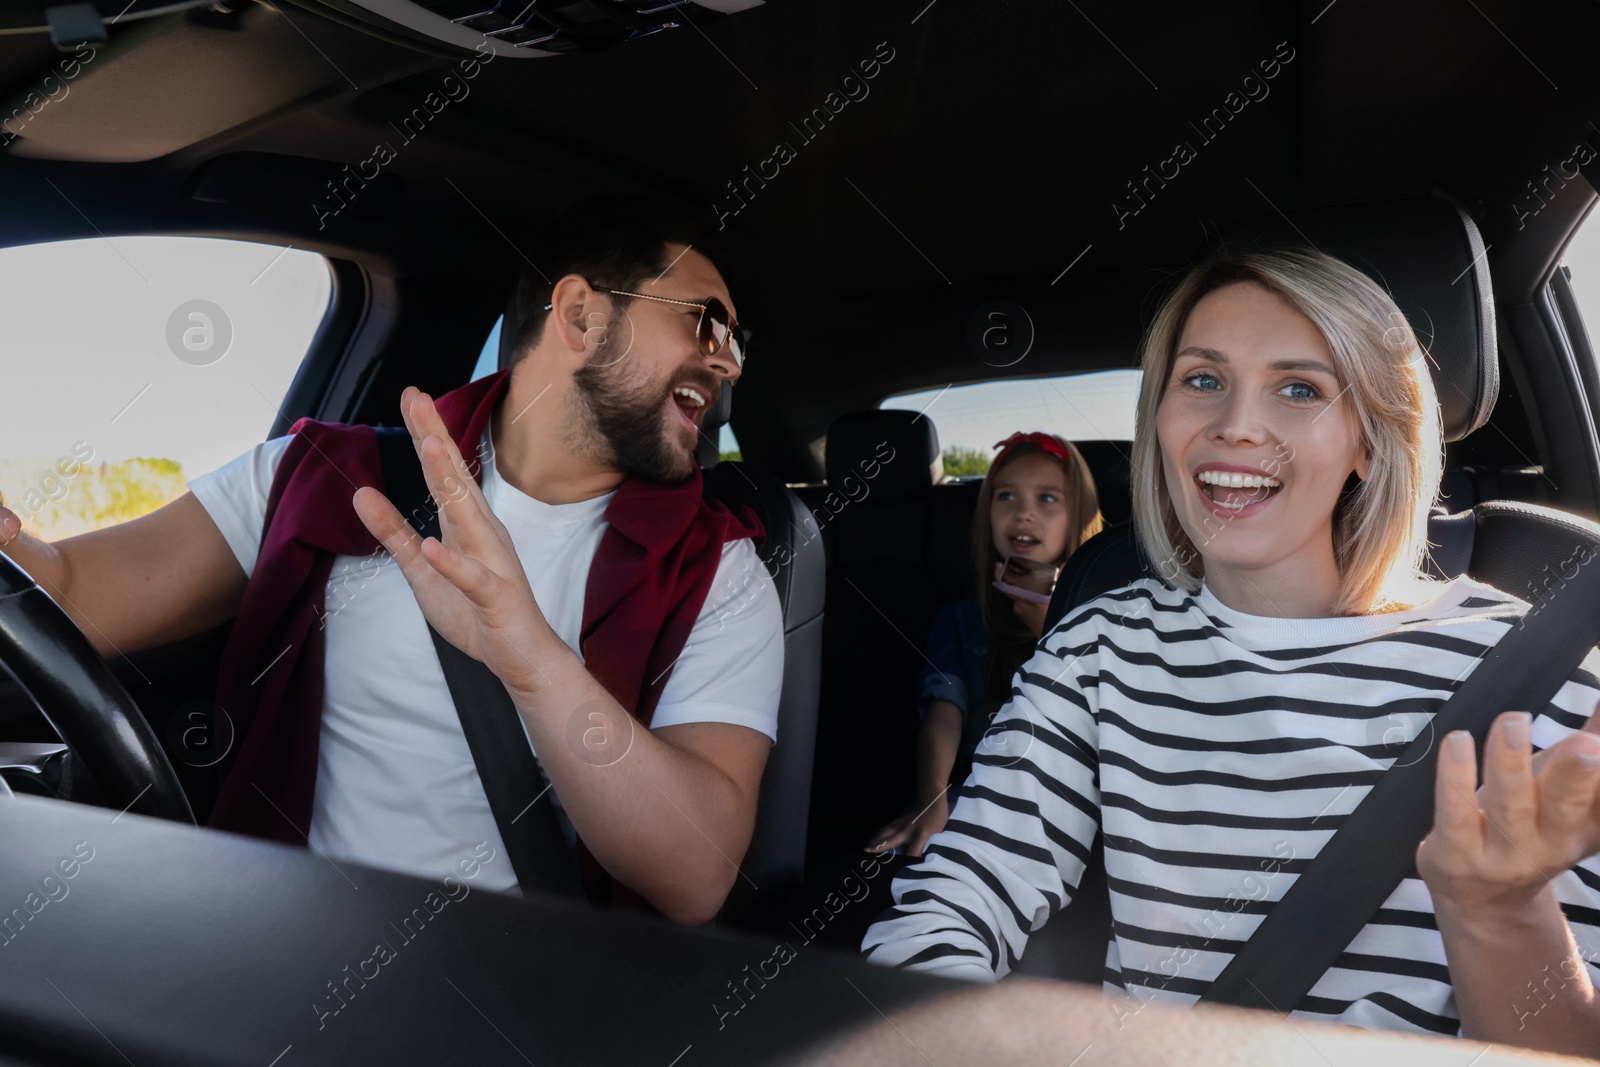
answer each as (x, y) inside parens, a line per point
(1582, 260)
(728, 445)
(970, 418)
(135, 363)
(489, 357)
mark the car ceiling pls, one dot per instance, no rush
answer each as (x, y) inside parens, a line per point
(982, 164)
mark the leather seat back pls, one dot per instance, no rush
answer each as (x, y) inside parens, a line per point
(899, 543)
(775, 861)
(885, 583)
(774, 864)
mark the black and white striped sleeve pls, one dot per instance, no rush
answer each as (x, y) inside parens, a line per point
(1021, 829)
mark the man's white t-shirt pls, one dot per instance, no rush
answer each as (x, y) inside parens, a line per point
(396, 784)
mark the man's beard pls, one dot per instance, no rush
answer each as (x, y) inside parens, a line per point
(627, 420)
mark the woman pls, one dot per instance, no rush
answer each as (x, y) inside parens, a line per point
(1217, 726)
(1037, 504)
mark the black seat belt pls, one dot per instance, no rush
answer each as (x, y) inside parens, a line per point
(1375, 847)
(512, 780)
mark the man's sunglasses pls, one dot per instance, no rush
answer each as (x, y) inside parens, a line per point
(715, 328)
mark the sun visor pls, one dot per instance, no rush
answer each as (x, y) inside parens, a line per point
(139, 97)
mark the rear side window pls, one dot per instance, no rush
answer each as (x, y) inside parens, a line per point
(1098, 406)
(135, 363)
(1582, 259)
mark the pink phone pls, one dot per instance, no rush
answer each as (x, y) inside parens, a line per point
(1020, 593)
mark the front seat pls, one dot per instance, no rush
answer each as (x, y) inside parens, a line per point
(773, 866)
(1414, 248)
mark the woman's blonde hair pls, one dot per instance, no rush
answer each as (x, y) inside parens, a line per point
(1010, 640)
(1380, 525)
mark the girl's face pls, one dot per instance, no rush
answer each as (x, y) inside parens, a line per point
(1028, 514)
(1256, 444)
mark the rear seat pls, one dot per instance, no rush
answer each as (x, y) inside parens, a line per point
(883, 587)
(898, 545)
(1109, 463)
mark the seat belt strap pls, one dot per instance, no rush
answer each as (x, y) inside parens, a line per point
(511, 776)
(1375, 847)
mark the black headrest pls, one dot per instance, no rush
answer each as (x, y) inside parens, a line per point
(1428, 254)
(896, 451)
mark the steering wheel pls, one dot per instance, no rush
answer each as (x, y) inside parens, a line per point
(71, 684)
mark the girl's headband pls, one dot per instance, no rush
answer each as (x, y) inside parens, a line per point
(1045, 441)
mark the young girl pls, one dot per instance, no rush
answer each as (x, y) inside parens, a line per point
(1037, 504)
(1217, 727)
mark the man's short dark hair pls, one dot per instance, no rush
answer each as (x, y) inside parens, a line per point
(614, 241)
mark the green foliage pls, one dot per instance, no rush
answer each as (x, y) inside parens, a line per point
(734, 455)
(959, 461)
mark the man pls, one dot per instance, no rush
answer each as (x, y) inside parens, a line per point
(619, 354)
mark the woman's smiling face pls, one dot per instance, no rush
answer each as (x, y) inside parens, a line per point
(1256, 443)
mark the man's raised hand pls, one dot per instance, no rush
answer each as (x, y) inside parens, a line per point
(468, 582)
